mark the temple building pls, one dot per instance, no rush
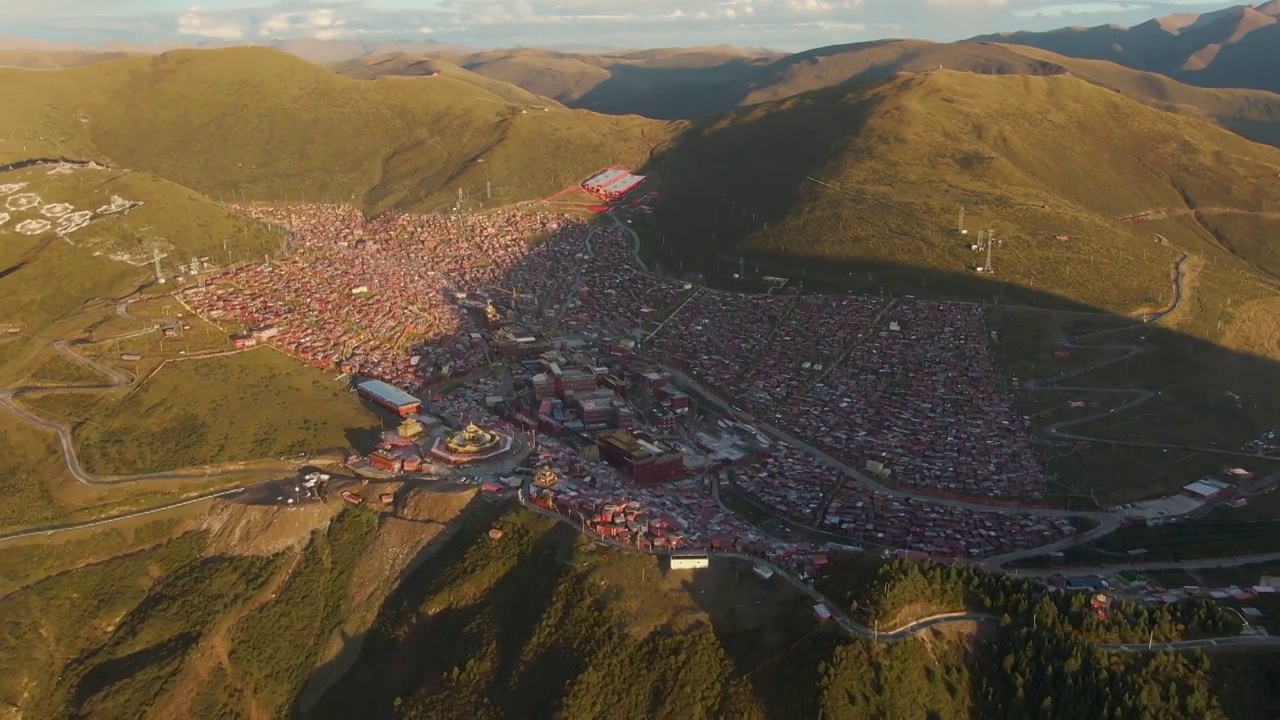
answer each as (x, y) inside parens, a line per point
(471, 444)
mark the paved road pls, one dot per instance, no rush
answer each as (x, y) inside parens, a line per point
(60, 528)
(1138, 396)
(116, 381)
(1197, 564)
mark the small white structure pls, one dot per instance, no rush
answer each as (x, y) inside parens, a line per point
(33, 227)
(764, 571)
(690, 562)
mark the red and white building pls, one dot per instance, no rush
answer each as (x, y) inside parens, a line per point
(612, 183)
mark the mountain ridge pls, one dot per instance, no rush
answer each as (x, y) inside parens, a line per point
(1231, 47)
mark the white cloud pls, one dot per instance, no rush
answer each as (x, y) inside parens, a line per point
(195, 22)
(784, 24)
(320, 23)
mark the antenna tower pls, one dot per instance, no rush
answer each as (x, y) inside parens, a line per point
(990, 242)
(960, 220)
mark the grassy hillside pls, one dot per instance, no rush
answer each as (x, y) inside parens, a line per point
(165, 623)
(877, 174)
(55, 59)
(1231, 47)
(399, 64)
(684, 85)
(661, 83)
(251, 405)
(166, 620)
(44, 276)
(225, 123)
(542, 622)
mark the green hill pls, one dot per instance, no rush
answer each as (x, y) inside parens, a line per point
(401, 64)
(691, 84)
(875, 175)
(236, 613)
(45, 277)
(260, 124)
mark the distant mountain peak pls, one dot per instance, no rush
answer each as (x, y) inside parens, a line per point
(1271, 8)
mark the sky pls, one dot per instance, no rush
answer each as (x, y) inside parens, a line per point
(776, 24)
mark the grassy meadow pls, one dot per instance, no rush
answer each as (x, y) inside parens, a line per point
(225, 124)
(246, 406)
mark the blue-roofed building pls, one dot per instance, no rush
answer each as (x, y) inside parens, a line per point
(389, 396)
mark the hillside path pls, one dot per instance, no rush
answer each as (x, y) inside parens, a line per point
(119, 381)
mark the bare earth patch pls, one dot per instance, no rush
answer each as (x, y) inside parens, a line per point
(420, 523)
(236, 529)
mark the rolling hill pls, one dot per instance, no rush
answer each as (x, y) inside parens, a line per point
(92, 213)
(875, 174)
(226, 123)
(55, 59)
(663, 84)
(400, 64)
(686, 85)
(1233, 47)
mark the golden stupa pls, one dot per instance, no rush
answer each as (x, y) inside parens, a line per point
(410, 428)
(545, 477)
(472, 440)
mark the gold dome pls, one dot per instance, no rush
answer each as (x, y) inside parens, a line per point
(471, 440)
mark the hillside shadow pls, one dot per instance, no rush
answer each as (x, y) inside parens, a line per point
(672, 93)
(706, 211)
(407, 651)
(684, 93)
(765, 628)
(364, 439)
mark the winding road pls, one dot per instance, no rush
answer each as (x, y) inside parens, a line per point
(117, 381)
(1138, 396)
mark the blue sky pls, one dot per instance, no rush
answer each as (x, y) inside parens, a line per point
(780, 24)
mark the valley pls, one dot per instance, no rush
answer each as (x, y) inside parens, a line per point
(874, 393)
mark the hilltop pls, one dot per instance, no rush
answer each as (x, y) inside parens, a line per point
(662, 83)
(668, 84)
(34, 59)
(227, 123)
(875, 175)
(1232, 47)
(401, 64)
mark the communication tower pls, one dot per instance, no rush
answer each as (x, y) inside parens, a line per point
(960, 222)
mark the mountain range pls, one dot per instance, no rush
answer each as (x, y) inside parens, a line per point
(1233, 47)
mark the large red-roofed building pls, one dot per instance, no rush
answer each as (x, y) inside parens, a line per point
(612, 183)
